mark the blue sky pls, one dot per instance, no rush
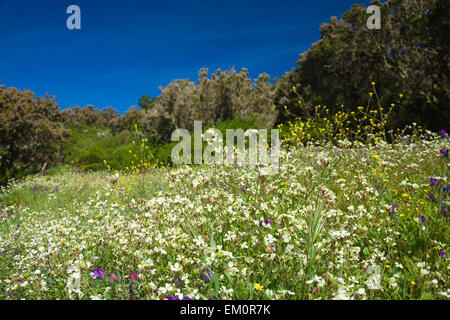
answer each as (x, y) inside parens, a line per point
(129, 48)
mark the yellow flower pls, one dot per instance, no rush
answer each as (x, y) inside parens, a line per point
(400, 95)
(258, 287)
(388, 266)
(413, 283)
(373, 83)
(371, 94)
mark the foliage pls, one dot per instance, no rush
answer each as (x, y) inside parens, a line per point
(28, 138)
(408, 55)
(224, 96)
(367, 124)
(334, 223)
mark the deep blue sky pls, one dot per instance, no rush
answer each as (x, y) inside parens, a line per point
(129, 48)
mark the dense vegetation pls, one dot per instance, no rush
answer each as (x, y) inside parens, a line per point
(357, 210)
(408, 56)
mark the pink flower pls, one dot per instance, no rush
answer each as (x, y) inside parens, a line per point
(113, 277)
(134, 276)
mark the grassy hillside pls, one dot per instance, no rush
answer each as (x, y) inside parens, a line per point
(366, 222)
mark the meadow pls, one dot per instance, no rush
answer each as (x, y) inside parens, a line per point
(94, 206)
(338, 221)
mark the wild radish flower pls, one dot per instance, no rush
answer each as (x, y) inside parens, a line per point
(342, 294)
(361, 292)
(74, 276)
(374, 280)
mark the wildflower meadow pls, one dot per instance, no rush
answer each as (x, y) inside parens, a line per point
(145, 162)
(338, 220)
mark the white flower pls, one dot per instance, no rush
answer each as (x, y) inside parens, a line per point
(374, 280)
(424, 272)
(175, 268)
(269, 239)
(361, 292)
(286, 238)
(342, 294)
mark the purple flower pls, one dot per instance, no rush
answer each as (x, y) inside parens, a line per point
(431, 197)
(442, 254)
(177, 281)
(99, 273)
(207, 275)
(393, 210)
(177, 298)
(445, 189)
(444, 212)
(134, 276)
(443, 133)
(422, 218)
(433, 181)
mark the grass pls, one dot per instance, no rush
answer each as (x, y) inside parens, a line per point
(353, 222)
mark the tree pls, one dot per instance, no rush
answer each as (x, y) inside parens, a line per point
(225, 95)
(28, 138)
(409, 55)
(146, 103)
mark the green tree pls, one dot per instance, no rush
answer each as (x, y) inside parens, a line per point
(28, 138)
(409, 55)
